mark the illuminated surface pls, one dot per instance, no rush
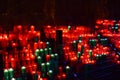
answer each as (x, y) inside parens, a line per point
(25, 55)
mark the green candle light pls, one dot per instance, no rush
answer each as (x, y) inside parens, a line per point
(80, 41)
(47, 44)
(41, 52)
(50, 74)
(37, 52)
(113, 29)
(48, 66)
(116, 28)
(97, 57)
(56, 63)
(46, 51)
(52, 57)
(43, 69)
(50, 50)
(98, 36)
(23, 69)
(78, 55)
(6, 74)
(56, 56)
(74, 44)
(80, 38)
(102, 41)
(68, 72)
(90, 54)
(11, 73)
(69, 27)
(13, 79)
(23, 72)
(106, 41)
(39, 60)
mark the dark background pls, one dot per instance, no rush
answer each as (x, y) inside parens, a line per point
(57, 12)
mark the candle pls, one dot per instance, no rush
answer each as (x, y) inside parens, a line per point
(78, 55)
(48, 66)
(47, 45)
(46, 51)
(23, 72)
(43, 69)
(39, 60)
(90, 54)
(11, 73)
(50, 74)
(6, 74)
(41, 52)
(13, 63)
(74, 45)
(37, 52)
(35, 45)
(13, 79)
(56, 56)
(69, 27)
(47, 57)
(68, 72)
(80, 38)
(50, 50)
(52, 57)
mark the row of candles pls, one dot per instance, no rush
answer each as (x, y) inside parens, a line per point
(37, 58)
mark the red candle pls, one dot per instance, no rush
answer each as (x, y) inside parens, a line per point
(47, 57)
(12, 60)
(63, 76)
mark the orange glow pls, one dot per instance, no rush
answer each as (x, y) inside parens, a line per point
(32, 28)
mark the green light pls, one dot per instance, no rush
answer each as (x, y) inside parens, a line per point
(48, 66)
(43, 67)
(47, 44)
(46, 51)
(6, 74)
(56, 56)
(74, 41)
(52, 56)
(39, 60)
(50, 50)
(23, 69)
(80, 38)
(69, 27)
(78, 55)
(116, 27)
(37, 52)
(80, 41)
(90, 54)
(11, 72)
(67, 67)
(41, 52)
(13, 79)
(68, 72)
(50, 74)
(98, 36)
